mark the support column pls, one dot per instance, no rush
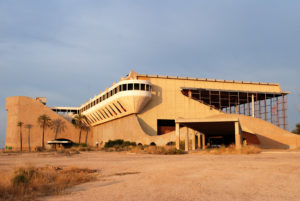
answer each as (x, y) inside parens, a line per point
(177, 130)
(186, 147)
(199, 140)
(203, 141)
(238, 136)
(253, 106)
(194, 141)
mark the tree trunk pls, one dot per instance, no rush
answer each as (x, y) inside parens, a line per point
(29, 149)
(43, 144)
(86, 137)
(79, 137)
(21, 143)
(56, 131)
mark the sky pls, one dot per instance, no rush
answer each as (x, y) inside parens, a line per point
(70, 50)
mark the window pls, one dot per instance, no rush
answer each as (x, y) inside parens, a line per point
(147, 87)
(116, 90)
(143, 87)
(130, 86)
(124, 87)
(120, 88)
(136, 86)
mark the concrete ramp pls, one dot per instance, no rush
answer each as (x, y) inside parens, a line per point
(27, 110)
(269, 135)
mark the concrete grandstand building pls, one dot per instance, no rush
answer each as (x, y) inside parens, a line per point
(153, 109)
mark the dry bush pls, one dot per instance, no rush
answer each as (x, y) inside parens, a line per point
(250, 149)
(26, 183)
(166, 150)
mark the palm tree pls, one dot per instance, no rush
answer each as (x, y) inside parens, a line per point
(58, 126)
(44, 121)
(79, 123)
(20, 124)
(28, 126)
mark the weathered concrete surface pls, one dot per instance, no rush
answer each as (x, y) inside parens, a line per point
(269, 176)
(28, 110)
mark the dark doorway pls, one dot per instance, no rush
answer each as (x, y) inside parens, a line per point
(165, 126)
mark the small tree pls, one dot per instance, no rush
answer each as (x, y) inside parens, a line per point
(297, 129)
(20, 124)
(28, 126)
(44, 121)
(79, 123)
(58, 126)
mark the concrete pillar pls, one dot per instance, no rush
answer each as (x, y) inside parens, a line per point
(253, 106)
(203, 141)
(177, 130)
(186, 147)
(199, 140)
(238, 136)
(194, 140)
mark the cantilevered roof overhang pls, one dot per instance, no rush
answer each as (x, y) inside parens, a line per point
(210, 126)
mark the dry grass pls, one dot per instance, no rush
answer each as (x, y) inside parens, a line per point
(26, 183)
(165, 150)
(250, 149)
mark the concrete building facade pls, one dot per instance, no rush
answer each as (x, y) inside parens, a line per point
(152, 109)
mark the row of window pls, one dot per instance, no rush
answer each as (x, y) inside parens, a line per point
(123, 87)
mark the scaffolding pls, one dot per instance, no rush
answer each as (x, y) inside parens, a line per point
(271, 107)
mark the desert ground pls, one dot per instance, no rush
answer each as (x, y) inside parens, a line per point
(272, 175)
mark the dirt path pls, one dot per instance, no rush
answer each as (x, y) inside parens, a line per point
(266, 176)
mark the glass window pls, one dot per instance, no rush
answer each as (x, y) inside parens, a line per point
(147, 87)
(143, 87)
(124, 87)
(130, 86)
(120, 88)
(116, 90)
(136, 87)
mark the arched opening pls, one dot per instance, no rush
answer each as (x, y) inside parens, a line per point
(140, 144)
(152, 144)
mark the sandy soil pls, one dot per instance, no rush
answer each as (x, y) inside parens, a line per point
(124, 176)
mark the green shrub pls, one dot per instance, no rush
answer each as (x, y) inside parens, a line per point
(19, 179)
(118, 144)
(171, 143)
(112, 143)
(83, 144)
(39, 149)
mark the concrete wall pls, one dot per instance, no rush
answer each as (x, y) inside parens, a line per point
(28, 110)
(128, 128)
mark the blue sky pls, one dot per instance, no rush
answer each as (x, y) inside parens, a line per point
(69, 50)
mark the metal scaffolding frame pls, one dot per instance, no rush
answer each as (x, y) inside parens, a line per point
(271, 107)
